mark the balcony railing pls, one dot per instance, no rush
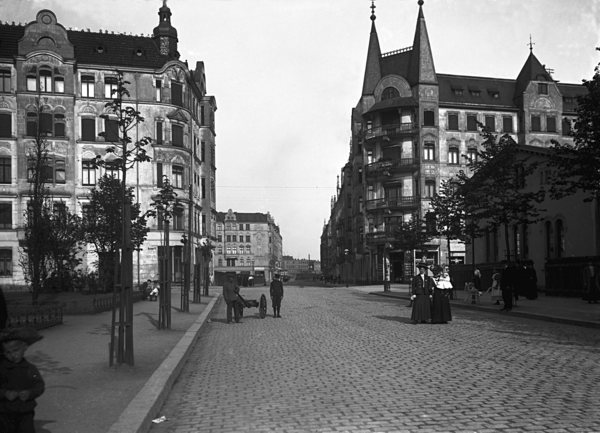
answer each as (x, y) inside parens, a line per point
(382, 167)
(393, 203)
(391, 130)
(377, 238)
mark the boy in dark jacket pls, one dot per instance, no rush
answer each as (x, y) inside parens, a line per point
(20, 381)
(276, 291)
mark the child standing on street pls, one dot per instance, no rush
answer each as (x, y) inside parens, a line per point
(20, 381)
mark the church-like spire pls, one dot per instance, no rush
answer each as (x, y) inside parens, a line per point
(421, 68)
(372, 70)
(165, 35)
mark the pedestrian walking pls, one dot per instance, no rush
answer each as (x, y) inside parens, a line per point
(440, 310)
(276, 292)
(530, 280)
(591, 285)
(496, 292)
(519, 283)
(20, 381)
(421, 293)
(477, 279)
(507, 285)
(230, 294)
(251, 281)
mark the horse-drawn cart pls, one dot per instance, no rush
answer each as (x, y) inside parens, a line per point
(249, 303)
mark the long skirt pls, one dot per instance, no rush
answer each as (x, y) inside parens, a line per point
(421, 309)
(440, 311)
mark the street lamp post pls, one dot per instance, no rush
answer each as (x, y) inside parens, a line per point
(346, 265)
(185, 290)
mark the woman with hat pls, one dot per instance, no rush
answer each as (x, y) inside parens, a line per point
(421, 292)
(440, 310)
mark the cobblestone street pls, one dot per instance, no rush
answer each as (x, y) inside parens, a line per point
(342, 360)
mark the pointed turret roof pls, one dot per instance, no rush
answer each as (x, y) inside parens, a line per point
(532, 70)
(421, 69)
(373, 69)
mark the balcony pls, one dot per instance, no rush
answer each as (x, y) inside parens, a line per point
(379, 238)
(392, 166)
(393, 203)
(391, 130)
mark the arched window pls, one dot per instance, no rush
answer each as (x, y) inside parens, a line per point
(32, 122)
(45, 81)
(453, 155)
(560, 239)
(248, 249)
(389, 93)
(59, 125)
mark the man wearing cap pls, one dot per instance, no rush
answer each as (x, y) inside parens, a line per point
(276, 291)
(230, 294)
(421, 292)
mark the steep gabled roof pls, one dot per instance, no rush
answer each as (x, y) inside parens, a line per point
(532, 71)
(372, 69)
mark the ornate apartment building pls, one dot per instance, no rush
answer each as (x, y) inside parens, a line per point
(247, 244)
(72, 74)
(410, 130)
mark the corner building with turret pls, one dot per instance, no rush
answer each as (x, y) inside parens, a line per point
(73, 73)
(410, 130)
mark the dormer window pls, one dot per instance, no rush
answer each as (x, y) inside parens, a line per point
(495, 94)
(458, 91)
(568, 99)
(139, 52)
(475, 93)
(389, 93)
(543, 88)
(100, 49)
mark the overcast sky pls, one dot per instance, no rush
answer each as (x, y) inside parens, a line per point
(286, 74)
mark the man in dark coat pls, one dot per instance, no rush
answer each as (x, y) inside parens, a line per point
(421, 290)
(230, 294)
(508, 280)
(276, 291)
(590, 284)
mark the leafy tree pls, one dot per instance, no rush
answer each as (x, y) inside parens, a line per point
(495, 194)
(576, 165)
(104, 224)
(449, 209)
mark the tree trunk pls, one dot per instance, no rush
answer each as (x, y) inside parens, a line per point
(507, 244)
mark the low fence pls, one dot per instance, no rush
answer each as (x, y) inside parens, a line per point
(37, 317)
(564, 277)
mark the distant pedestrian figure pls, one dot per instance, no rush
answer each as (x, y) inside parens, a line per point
(276, 292)
(20, 381)
(230, 294)
(422, 287)
(496, 292)
(507, 285)
(530, 277)
(477, 279)
(591, 285)
(440, 310)
(251, 281)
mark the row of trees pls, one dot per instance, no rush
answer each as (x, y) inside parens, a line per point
(491, 195)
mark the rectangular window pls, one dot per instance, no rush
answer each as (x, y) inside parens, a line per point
(88, 172)
(551, 124)
(452, 121)
(4, 81)
(177, 176)
(428, 118)
(234, 238)
(5, 170)
(5, 215)
(159, 174)
(177, 136)
(88, 129)
(59, 85)
(203, 188)
(31, 83)
(110, 87)
(507, 124)
(247, 238)
(111, 130)
(490, 123)
(241, 226)
(45, 81)
(228, 238)
(566, 127)
(202, 150)
(87, 86)
(536, 123)
(176, 94)
(158, 90)
(471, 122)
(472, 154)
(543, 88)
(112, 169)
(429, 152)
(247, 226)
(178, 220)
(159, 133)
(59, 125)
(59, 171)
(429, 188)
(46, 124)
(5, 262)
(5, 125)
(202, 115)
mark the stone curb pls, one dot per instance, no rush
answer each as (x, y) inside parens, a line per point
(534, 316)
(138, 415)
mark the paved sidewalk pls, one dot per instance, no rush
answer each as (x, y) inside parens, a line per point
(85, 395)
(573, 311)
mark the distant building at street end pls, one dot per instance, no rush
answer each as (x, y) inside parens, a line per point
(73, 72)
(293, 267)
(247, 244)
(414, 128)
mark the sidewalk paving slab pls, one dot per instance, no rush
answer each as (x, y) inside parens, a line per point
(83, 394)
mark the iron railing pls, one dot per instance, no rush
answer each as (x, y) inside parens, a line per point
(391, 130)
(392, 165)
(393, 203)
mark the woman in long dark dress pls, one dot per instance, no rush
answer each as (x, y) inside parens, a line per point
(421, 290)
(440, 311)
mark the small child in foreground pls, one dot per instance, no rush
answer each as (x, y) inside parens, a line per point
(20, 381)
